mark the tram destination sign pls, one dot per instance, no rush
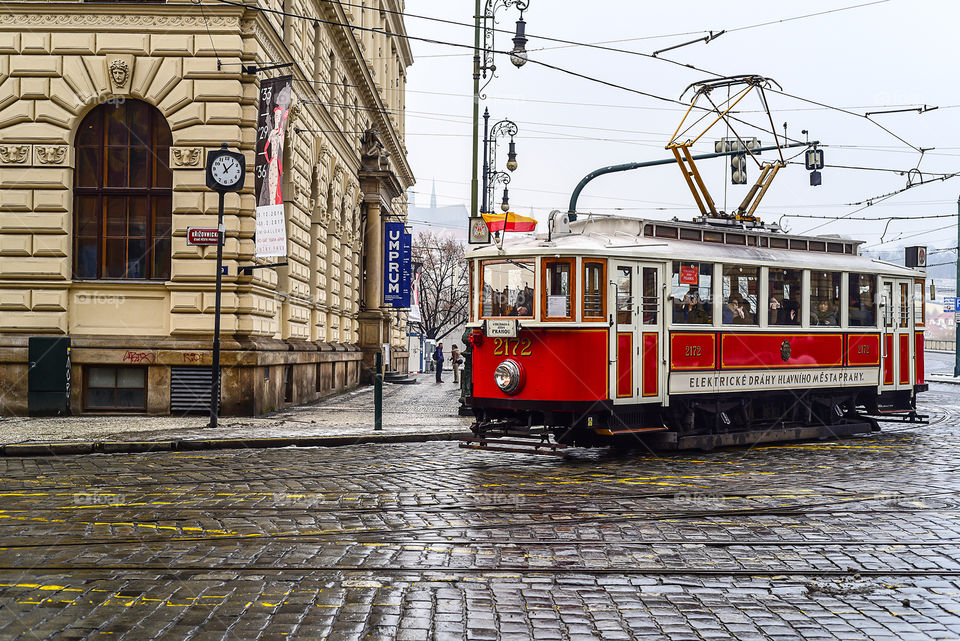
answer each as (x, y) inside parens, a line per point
(202, 236)
(501, 327)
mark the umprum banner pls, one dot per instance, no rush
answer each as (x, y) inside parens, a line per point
(271, 231)
(396, 266)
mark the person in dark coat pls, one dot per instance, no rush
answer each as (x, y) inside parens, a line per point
(438, 359)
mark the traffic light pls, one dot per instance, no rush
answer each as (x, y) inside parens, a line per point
(813, 161)
(738, 169)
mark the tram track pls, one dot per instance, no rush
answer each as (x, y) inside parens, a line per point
(324, 535)
(499, 505)
(445, 571)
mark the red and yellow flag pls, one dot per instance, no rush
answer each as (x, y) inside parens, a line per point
(509, 222)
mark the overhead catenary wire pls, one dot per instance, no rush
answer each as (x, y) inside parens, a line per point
(609, 83)
(472, 48)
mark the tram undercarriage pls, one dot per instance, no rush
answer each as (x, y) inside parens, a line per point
(690, 422)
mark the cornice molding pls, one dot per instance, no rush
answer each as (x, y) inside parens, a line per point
(75, 14)
(372, 96)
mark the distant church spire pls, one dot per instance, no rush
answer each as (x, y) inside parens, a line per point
(433, 195)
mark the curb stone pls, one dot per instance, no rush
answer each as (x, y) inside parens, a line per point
(192, 445)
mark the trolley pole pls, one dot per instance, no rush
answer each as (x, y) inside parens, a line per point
(378, 393)
(215, 368)
(956, 327)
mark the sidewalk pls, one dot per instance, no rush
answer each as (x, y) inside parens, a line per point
(421, 412)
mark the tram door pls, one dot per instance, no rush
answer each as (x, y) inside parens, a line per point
(636, 335)
(898, 348)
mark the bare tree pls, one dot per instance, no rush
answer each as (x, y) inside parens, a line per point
(444, 284)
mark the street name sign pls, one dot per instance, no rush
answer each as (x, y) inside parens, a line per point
(202, 236)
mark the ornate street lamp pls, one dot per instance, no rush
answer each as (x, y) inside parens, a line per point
(518, 56)
(483, 62)
(490, 135)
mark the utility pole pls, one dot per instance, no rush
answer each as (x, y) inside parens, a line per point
(956, 326)
(476, 110)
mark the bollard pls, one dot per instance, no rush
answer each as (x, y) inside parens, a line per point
(378, 393)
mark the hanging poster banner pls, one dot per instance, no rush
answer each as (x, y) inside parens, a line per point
(414, 315)
(406, 279)
(274, 108)
(396, 265)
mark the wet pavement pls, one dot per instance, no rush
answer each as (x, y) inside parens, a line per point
(407, 409)
(851, 539)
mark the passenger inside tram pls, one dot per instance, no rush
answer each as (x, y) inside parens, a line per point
(824, 314)
(733, 312)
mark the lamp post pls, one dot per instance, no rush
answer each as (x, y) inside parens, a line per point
(483, 63)
(956, 294)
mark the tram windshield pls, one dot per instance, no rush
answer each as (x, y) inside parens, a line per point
(508, 288)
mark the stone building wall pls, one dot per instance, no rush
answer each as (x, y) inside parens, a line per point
(59, 61)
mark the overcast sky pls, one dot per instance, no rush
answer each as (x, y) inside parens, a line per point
(880, 55)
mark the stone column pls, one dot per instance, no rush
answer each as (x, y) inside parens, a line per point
(379, 186)
(371, 317)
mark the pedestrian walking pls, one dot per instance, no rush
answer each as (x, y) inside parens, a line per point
(438, 359)
(455, 363)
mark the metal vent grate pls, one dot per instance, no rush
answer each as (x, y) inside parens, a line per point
(190, 389)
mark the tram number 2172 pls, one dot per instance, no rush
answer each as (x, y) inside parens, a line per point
(511, 347)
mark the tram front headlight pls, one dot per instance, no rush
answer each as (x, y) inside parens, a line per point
(509, 377)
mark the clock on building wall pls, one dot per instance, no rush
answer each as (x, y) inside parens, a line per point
(479, 232)
(225, 170)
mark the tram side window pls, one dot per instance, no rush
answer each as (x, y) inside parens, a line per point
(624, 295)
(740, 289)
(651, 296)
(508, 288)
(692, 294)
(918, 304)
(904, 305)
(785, 296)
(862, 310)
(593, 298)
(558, 286)
(824, 298)
(888, 305)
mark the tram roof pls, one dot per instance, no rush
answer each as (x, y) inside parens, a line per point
(612, 236)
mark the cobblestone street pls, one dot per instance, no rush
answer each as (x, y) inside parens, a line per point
(851, 539)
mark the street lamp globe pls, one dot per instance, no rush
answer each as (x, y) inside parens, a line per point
(505, 205)
(512, 156)
(518, 56)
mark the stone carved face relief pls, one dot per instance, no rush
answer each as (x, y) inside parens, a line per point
(119, 71)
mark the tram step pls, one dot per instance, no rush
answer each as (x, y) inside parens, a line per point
(603, 431)
(526, 447)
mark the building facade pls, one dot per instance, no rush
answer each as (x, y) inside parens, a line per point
(107, 112)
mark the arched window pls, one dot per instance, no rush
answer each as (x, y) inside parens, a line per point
(122, 193)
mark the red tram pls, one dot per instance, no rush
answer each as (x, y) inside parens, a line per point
(695, 334)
